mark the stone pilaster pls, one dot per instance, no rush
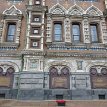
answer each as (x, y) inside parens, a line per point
(103, 30)
(28, 30)
(49, 30)
(86, 35)
(67, 30)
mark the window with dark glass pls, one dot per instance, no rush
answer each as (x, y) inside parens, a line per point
(76, 32)
(57, 32)
(101, 96)
(2, 96)
(94, 33)
(11, 31)
(59, 97)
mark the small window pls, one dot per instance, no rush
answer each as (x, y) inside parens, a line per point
(94, 33)
(11, 31)
(57, 32)
(76, 32)
(2, 96)
(59, 97)
(101, 97)
(37, 2)
(79, 65)
(36, 18)
(35, 30)
(34, 43)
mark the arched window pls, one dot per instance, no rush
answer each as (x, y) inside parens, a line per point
(76, 32)
(95, 33)
(57, 31)
(11, 31)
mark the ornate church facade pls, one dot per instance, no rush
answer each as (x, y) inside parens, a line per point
(53, 49)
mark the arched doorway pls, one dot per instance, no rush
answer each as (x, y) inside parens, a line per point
(59, 77)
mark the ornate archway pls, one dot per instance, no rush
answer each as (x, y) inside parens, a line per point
(59, 77)
(6, 78)
(98, 75)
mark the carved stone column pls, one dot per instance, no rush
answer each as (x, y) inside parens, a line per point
(67, 30)
(28, 30)
(104, 30)
(18, 30)
(49, 30)
(86, 35)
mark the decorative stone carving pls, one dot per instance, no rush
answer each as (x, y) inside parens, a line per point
(98, 76)
(104, 31)
(49, 30)
(6, 65)
(93, 11)
(11, 15)
(67, 30)
(32, 63)
(12, 11)
(59, 77)
(75, 10)
(57, 9)
(86, 30)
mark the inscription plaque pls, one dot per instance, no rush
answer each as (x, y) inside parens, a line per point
(59, 82)
(5, 81)
(99, 82)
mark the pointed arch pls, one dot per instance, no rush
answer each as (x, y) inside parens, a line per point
(93, 11)
(57, 9)
(75, 10)
(12, 11)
